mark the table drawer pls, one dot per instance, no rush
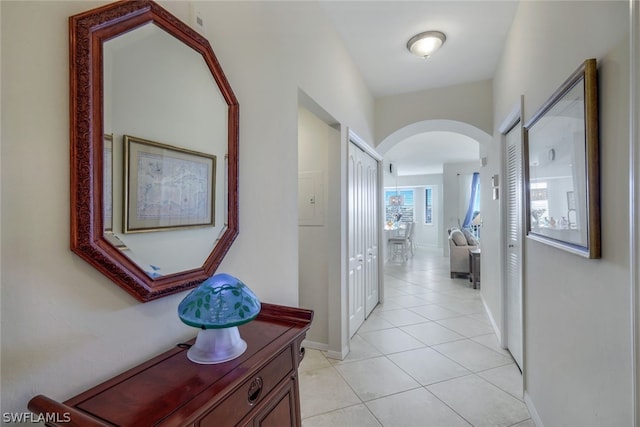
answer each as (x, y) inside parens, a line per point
(250, 393)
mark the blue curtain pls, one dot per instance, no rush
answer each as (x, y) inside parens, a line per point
(474, 200)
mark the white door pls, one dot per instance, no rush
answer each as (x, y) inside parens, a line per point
(363, 236)
(356, 241)
(370, 214)
(514, 218)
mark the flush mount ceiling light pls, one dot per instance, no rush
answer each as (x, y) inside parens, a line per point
(425, 44)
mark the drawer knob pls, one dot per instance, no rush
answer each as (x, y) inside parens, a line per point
(255, 389)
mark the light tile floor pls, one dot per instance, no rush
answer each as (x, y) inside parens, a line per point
(426, 357)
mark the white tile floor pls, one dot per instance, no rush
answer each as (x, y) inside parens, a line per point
(426, 357)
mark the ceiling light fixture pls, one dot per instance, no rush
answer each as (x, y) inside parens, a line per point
(425, 44)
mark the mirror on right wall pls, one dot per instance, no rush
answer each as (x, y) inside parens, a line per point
(154, 164)
(562, 167)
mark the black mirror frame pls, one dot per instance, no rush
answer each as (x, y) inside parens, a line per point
(87, 32)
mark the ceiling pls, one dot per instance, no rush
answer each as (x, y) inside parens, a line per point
(375, 34)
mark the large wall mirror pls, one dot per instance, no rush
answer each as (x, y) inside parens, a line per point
(154, 158)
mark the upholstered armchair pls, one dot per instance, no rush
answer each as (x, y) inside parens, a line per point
(459, 245)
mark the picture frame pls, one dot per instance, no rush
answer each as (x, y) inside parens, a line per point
(562, 172)
(166, 187)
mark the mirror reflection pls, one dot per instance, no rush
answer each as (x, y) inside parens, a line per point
(555, 176)
(165, 152)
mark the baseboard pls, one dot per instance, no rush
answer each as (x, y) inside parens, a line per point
(535, 417)
(339, 355)
(336, 355)
(325, 348)
(315, 345)
(496, 329)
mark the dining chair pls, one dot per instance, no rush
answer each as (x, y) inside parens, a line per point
(401, 245)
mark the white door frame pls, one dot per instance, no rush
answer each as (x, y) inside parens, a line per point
(634, 195)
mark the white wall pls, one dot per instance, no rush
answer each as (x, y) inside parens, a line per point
(315, 138)
(467, 103)
(577, 312)
(293, 48)
(66, 327)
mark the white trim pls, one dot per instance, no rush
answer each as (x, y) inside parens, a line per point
(313, 345)
(337, 355)
(382, 244)
(512, 118)
(364, 146)
(341, 339)
(634, 205)
(535, 417)
(496, 329)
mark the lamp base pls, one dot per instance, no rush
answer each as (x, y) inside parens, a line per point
(217, 346)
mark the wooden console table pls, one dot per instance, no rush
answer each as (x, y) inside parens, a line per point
(474, 267)
(259, 388)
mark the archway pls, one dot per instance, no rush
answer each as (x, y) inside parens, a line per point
(405, 132)
(447, 184)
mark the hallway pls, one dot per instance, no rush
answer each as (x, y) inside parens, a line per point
(426, 357)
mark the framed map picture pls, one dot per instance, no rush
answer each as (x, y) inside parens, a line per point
(166, 187)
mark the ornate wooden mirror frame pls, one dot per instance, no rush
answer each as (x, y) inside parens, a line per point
(88, 31)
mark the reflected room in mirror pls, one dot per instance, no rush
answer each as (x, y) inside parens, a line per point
(562, 167)
(154, 165)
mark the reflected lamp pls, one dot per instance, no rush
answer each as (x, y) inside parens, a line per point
(217, 307)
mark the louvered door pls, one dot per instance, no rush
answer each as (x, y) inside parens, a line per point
(514, 209)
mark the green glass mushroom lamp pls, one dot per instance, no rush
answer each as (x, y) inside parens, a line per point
(217, 307)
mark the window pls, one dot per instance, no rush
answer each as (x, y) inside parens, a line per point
(539, 203)
(474, 201)
(428, 206)
(398, 202)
